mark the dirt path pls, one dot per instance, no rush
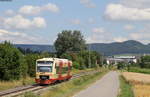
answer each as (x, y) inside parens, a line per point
(107, 86)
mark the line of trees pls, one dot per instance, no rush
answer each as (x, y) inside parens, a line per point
(71, 45)
(143, 62)
(12, 64)
(16, 63)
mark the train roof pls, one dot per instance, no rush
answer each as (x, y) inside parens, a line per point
(52, 59)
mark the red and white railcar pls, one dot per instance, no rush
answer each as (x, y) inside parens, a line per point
(50, 70)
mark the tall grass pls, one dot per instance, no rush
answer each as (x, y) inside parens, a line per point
(4, 85)
(140, 83)
(134, 78)
(29, 94)
(69, 88)
(75, 71)
(125, 88)
(141, 90)
(139, 70)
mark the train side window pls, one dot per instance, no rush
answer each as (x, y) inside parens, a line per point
(70, 67)
(64, 70)
(57, 69)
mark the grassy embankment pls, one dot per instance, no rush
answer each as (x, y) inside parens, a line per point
(139, 70)
(69, 88)
(125, 88)
(4, 85)
(135, 84)
(140, 83)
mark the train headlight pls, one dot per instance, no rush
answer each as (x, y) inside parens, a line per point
(44, 77)
(37, 76)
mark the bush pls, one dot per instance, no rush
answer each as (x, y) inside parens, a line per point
(145, 62)
(126, 89)
(31, 62)
(66, 56)
(30, 94)
(76, 65)
(81, 59)
(139, 70)
(12, 65)
(120, 65)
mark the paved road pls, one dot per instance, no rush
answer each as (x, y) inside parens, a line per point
(107, 86)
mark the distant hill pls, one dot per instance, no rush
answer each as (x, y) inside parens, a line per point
(126, 47)
(108, 49)
(33, 47)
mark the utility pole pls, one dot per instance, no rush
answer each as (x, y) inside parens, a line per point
(89, 56)
(102, 59)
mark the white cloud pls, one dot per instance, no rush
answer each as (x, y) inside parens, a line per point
(136, 3)
(143, 37)
(5, 32)
(98, 30)
(75, 21)
(51, 7)
(120, 39)
(88, 3)
(39, 22)
(20, 37)
(121, 12)
(21, 23)
(136, 36)
(9, 12)
(129, 27)
(16, 37)
(34, 10)
(30, 10)
(140, 35)
(99, 35)
(131, 11)
(91, 20)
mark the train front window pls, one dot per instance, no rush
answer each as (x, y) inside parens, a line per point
(44, 68)
(44, 62)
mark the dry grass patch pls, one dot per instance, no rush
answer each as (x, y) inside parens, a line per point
(4, 85)
(75, 71)
(140, 83)
(68, 89)
(136, 78)
(141, 90)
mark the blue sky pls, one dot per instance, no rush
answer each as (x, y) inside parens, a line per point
(100, 21)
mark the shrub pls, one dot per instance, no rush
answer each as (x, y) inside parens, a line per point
(120, 65)
(76, 65)
(30, 94)
(12, 65)
(145, 62)
(31, 62)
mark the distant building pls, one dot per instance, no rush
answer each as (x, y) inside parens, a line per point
(146, 54)
(117, 59)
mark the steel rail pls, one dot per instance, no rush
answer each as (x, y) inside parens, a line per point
(35, 87)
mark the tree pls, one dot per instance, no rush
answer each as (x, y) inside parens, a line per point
(12, 65)
(69, 41)
(31, 62)
(120, 65)
(145, 62)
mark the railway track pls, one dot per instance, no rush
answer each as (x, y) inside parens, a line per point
(35, 87)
